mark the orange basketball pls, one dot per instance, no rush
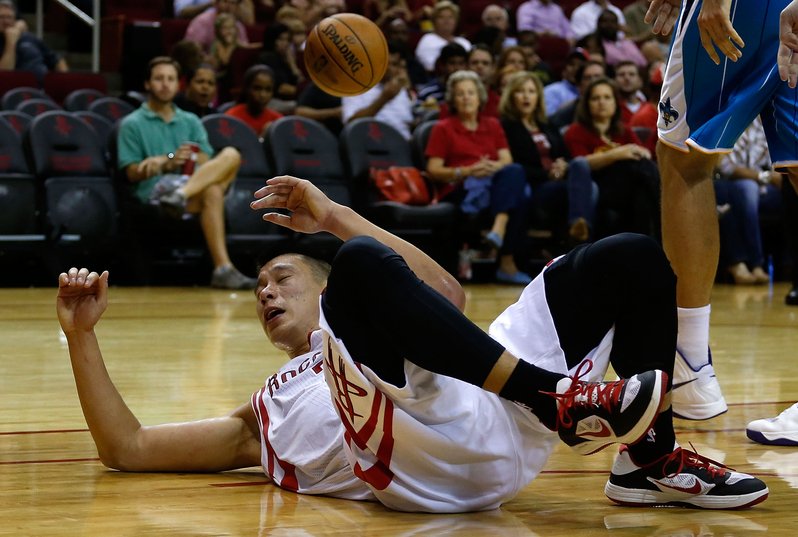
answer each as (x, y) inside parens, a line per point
(346, 54)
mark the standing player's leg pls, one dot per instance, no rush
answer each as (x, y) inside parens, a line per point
(384, 314)
(691, 241)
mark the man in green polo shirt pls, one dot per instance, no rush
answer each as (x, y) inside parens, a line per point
(155, 142)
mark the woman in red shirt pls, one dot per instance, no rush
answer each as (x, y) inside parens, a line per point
(622, 168)
(257, 91)
(469, 157)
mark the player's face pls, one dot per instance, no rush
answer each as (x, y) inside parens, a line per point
(261, 90)
(202, 88)
(288, 303)
(466, 98)
(526, 99)
(602, 102)
(481, 62)
(163, 83)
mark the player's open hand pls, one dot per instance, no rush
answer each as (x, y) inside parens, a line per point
(716, 31)
(82, 299)
(310, 209)
(662, 15)
(787, 58)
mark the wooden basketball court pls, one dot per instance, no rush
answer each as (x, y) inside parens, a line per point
(188, 353)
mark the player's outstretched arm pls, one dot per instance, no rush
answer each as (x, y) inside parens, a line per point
(312, 211)
(787, 59)
(122, 443)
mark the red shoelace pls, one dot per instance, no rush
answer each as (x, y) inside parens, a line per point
(605, 394)
(685, 457)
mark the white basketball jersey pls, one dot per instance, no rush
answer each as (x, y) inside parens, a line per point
(301, 435)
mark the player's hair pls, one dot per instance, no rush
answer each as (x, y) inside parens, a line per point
(161, 60)
(507, 106)
(583, 116)
(319, 269)
(460, 76)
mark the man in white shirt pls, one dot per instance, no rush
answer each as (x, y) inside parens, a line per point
(584, 19)
(388, 101)
(445, 16)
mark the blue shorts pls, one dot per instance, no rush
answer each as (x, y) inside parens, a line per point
(708, 106)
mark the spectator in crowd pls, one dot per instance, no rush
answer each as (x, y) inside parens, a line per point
(528, 41)
(585, 17)
(244, 10)
(750, 187)
(514, 56)
(563, 193)
(202, 28)
(253, 102)
(480, 60)
(224, 43)
(200, 92)
(503, 76)
(495, 16)
(188, 55)
(453, 57)
(621, 166)
(188, 9)
(445, 16)
(319, 105)
(398, 31)
(636, 110)
(384, 11)
(653, 46)
(615, 46)
(790, 201)
(566, 89)
(468, 155)
(278, 53)
(154, 143)
(22, 51)
(389, 101)
(544, 17)
(587, 73)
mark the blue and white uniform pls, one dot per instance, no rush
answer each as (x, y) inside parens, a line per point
(708, 106)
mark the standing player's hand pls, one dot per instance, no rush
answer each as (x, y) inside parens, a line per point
(716, 30)
(662, 15)
(787, 58)
(82, 299)
(310, 209)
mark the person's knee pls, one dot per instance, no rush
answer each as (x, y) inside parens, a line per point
(359, 257)
(230, 156)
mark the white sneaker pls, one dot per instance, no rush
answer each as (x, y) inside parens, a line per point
(696, 394)
(779, 431)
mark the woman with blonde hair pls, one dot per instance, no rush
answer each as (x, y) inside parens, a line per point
(560, 185)
(469, 158)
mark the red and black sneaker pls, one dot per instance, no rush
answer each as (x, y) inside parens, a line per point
(682, 478)
(593, 415)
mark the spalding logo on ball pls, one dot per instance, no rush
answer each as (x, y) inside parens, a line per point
(346, 54)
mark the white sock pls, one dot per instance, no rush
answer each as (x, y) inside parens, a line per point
(693, 339)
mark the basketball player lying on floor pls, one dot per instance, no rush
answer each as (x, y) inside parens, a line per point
(367, 407)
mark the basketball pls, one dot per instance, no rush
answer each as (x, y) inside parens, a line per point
(346, 54)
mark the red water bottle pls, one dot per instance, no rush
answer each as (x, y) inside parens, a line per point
(191, 161)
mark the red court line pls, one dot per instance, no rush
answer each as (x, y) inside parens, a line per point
(241, 484)
(44, 431)
(51, 461)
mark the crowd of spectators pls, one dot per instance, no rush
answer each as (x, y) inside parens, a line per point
(578, 125)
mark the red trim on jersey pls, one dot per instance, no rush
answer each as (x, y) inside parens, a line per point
(289, 480)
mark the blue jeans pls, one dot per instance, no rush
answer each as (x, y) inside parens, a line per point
(577, 196)
(740, 234)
